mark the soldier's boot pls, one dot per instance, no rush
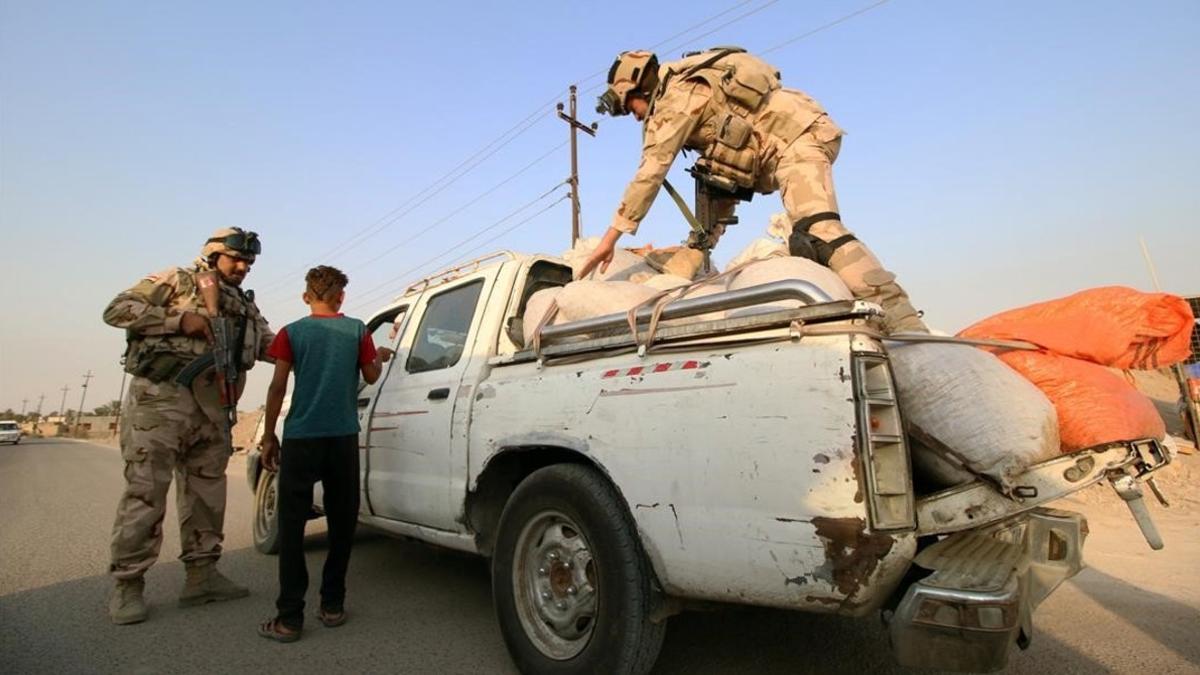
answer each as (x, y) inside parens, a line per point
(125, 604)
(206, 584)
(899, 315)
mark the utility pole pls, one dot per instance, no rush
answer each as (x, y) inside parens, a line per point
(62, 407)
(24, 402)
(79, 413)
(575, 125)
(38, 415)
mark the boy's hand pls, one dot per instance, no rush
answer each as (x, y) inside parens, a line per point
(270, 451)
(385, 354)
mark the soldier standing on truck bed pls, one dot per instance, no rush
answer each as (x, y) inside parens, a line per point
(169, 428)
(751, 133)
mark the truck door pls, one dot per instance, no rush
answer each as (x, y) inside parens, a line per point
(386, 329)
(410, 423)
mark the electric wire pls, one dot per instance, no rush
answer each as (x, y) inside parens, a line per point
(503, 140)
(466, 205)
(829, 25)
(696, 38)
(371, 295)
(425, 194)
(521, 127)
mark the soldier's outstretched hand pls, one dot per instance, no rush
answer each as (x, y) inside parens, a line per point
(601, 256)
(195, 325)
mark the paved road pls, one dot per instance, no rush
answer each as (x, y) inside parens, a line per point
(420, 610)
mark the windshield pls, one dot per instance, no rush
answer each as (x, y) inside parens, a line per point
(8, 426)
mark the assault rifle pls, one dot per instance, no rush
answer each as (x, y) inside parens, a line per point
(224, 356)
(707, 224)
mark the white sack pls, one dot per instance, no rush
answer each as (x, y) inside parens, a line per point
(997, 422)
(663, 282)
(759, 249)
(623, 266)
(778, 269)
(535, 310)
(586, 299)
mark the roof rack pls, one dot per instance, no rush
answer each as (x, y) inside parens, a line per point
(448, 275)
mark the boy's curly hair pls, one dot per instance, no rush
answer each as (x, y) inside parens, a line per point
(325, 282)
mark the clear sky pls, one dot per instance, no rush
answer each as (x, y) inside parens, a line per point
(997, 153)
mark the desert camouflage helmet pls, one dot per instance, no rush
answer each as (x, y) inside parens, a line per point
(233, 241)
(635, 71)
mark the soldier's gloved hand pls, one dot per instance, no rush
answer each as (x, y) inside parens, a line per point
(195, 325)
(270, 451)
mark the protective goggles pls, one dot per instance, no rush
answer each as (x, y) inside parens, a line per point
(245, 242)
(610, 103)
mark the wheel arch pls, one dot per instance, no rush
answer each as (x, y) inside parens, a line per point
(505, 470)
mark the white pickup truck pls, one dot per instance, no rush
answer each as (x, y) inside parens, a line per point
(760, 460)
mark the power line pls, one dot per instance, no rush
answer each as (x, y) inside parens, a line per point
(681, 33)
(373, 291)
(514, 227)
(425, 194)
(831, 24)
(449, 177)
(697, 38)
(467, 204)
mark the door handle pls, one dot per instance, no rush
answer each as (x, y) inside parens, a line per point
(364, 402)
(439, 393)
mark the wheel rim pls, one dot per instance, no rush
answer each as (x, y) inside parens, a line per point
(264, 518)
(554, 585)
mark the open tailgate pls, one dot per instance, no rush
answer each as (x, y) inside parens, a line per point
(1125, 465)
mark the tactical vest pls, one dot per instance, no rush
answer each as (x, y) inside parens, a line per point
(740, 84)
(161, 357)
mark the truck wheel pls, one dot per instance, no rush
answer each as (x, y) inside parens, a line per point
(266, 518)
(572, 589)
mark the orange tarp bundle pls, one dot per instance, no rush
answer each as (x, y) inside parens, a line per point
(1080, 335)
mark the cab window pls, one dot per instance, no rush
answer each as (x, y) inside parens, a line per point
(442, 335)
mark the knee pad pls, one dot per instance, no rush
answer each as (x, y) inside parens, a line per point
(802, 244)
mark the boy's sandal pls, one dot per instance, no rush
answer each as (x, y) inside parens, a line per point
(273, 630)
(330, 618)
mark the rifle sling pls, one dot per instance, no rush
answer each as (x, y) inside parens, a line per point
(683, 207)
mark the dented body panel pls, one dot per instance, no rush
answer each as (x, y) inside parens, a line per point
(739, 465)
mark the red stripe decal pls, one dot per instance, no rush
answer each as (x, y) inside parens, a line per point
(610, 373)
(662, 367)
(689, 365)
(635, 371)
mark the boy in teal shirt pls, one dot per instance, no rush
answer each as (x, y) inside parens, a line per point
(327, 351)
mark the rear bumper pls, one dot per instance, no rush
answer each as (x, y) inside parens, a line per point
(985, 584)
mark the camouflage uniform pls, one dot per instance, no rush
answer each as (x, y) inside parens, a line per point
(169, 429)
(792, 146)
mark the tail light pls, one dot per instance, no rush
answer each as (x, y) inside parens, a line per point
(883, 449)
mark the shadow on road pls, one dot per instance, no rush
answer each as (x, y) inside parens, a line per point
(1169, 622)
(413, 609)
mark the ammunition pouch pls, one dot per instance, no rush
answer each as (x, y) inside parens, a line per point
(156, 365)
(803, 244)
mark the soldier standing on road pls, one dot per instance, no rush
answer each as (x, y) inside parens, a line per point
(169, 429)
(753, 133)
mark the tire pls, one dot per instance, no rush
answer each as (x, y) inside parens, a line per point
(266, 517)
(572, 589)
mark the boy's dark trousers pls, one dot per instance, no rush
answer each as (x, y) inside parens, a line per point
(333, 460)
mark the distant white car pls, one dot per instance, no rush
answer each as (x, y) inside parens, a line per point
(10, 432)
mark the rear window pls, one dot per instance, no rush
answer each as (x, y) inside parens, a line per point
(8, 426)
